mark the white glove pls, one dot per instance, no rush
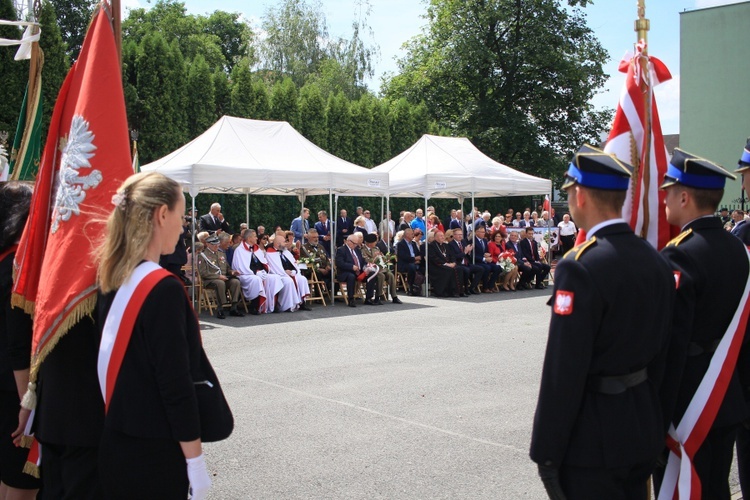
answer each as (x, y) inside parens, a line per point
(200, 482)
(262, 274)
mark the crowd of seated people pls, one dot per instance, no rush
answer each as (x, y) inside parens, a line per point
(465, 255)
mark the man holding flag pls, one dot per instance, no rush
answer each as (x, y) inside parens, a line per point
(702, 393)
(86, 157)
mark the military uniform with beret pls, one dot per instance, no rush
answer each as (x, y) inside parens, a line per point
(212, 265)
(598, 427)
(710, 269)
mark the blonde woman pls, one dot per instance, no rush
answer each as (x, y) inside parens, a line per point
(151, 445)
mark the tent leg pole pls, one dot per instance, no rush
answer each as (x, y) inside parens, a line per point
(333, 247)
(247, 209)
(426, 266)
(471, 218)
(192, 248)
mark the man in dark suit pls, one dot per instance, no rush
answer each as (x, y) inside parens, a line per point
(456, 221)
(344, 227)
(409, 259)
(711, 272)
(349, 267)
(214, 221)
(323, 227)
(531, 254)
(525, 271)
(480, 256)
(472, 273)
(598, 427)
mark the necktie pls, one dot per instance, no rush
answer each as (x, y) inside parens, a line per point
(354, 258)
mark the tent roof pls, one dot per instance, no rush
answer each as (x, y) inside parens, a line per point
(237, 155)
(452, 167)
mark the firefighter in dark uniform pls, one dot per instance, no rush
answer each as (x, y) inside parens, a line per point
(598, 428)
(743, 433)
(710, 271)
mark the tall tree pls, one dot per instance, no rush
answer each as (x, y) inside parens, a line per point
(201, 104)
(162, 120)
(73, 17)
(284, 105)
(222, 94)
(515, 77)
(402, 126)
(339, 125)
(13, 74)
(294, 42)
(362, 133)
(312, 109)
(234, 35)
(381, 132)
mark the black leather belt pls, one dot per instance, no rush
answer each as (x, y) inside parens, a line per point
(696, 348)
(617, 384)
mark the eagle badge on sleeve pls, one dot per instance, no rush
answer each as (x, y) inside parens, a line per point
(563, 303)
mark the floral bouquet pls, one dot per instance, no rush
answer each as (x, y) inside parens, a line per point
(506, 260)
(310, 262)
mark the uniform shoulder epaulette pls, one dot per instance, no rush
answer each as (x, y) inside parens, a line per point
(680, 238)
(578, 250)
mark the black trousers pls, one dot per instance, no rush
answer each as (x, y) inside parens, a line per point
(743, 457)
(12, 459)
(143, 468)
(597, 483)
(70, 473)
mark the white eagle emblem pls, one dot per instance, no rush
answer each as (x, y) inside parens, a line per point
(563, 302)
(71, 186)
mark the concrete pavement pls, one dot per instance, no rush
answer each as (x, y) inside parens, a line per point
(430, 399)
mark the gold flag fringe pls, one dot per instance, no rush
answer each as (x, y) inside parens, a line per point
(18, 300)
(83, 309)
(31, 469)
(26, 441)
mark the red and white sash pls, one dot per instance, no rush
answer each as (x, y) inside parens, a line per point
(118, 327)
(680, 479)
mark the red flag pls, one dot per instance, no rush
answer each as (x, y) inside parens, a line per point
(644, 206)
(86, 158)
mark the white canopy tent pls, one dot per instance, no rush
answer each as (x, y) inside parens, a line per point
(452, 167)
(242, 156)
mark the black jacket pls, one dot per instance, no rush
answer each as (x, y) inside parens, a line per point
(611, 316)
(712, 266)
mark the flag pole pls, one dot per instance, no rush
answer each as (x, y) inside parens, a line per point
(642, 27)
(117, 26)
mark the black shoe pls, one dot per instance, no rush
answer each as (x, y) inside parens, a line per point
(476, 291)
(220, 314)
(235, 312)
(396, 300)
(254, 311)
(539, 287)
(352, 304)
(378, 302)
(304, 307)
(368, 302)
(462, 295)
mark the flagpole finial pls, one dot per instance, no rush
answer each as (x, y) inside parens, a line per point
(642, 25)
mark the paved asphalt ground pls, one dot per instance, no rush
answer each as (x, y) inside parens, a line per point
(430, 399)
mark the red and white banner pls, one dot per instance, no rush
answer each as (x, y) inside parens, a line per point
(644, 205)
(86, 158)
(680, 478)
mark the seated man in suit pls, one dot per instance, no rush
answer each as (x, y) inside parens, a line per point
(530, 251)
(481, 256)
(373, 255)
(214, 221)
(409, 259)
(216, 273)
(350, 267)
(472, 273)
(524, 267)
